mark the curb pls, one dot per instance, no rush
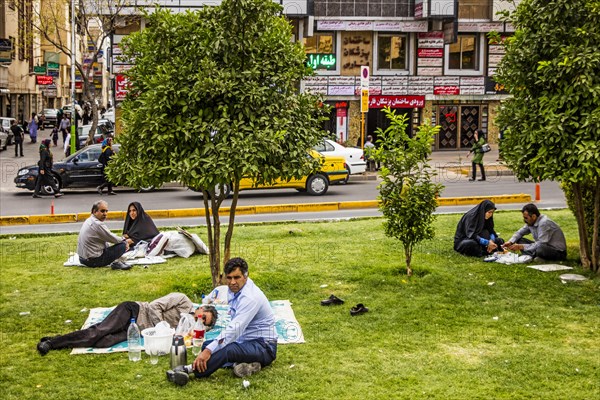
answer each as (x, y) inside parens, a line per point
(266, 209)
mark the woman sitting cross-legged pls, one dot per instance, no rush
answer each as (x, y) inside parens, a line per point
(138, 225)
(475, 235)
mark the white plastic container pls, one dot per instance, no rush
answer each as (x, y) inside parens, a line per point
(154, 342)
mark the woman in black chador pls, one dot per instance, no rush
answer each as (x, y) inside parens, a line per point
(138, 225)
(475, 235)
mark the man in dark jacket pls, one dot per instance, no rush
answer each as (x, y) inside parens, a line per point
(45, 171)
(19, 136)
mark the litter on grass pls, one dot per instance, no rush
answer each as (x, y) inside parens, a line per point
(572, 278)
(549, 267)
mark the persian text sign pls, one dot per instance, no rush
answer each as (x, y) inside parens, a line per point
(121, 87)
(397, 101)
(44, 80)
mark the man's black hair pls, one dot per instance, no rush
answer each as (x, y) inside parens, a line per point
(531, 209)
(213, 311)
(234, 263)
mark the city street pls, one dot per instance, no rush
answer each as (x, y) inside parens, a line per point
(14, 201)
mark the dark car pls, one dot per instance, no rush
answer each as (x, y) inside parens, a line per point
(81, 169)
(50, 116)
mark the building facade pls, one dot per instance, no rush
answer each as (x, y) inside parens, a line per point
(427, 59)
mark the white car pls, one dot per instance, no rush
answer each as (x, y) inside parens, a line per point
(354, 157)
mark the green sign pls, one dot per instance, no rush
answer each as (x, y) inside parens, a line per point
(52, 65)
(40, 69)
(321, 61)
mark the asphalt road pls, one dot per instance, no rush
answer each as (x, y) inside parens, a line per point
(14, 201)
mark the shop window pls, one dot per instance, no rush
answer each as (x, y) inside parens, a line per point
(474, 9)
(464, 56)
(320, 51)
(392, 52)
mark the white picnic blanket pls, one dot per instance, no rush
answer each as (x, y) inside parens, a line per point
(508, 258)
(286, 324)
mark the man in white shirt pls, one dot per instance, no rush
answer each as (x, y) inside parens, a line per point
(93, 238)
(248, 343)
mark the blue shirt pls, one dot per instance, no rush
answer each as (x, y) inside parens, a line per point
(251, 318)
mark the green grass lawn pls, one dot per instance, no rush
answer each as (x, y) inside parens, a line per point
(459, 329)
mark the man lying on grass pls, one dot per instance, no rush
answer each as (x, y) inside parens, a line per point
(113, 329)
(249, 342)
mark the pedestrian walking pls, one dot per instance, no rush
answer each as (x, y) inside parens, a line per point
(45, 171)
(477, 151)
(54, 136)
(33, 127)
(19, 136)
(104, 159)
(64, 127)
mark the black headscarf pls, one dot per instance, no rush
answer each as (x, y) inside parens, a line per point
(141, 228)
(473, 222)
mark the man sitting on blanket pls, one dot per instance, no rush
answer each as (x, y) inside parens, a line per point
(93, 236)
(549, 240)
(113, 329)
(249, 342)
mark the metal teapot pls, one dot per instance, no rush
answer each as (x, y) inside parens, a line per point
(178, 352)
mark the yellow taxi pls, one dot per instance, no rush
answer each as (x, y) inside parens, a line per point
(333, 170)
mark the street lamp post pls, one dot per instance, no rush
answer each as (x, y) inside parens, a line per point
(73, 47)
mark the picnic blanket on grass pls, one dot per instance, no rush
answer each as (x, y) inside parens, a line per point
(286, 324)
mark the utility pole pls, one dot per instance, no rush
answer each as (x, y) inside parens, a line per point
(73, 47)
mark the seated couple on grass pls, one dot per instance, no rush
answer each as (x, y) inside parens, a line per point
(475, 235)
(94, 236)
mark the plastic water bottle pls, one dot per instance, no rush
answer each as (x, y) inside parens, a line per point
(199, 329)
(134, 343)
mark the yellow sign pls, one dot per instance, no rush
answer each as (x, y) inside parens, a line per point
(364, 100)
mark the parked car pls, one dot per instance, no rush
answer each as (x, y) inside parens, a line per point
(102, 131)
(109, 115)
(332, 171)
(355, 160)
(5, 123)
(50, 116)
(81, 169)
(3, 140)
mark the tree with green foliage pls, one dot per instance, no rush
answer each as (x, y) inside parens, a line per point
(213, 99)
(407, 194)
(552, 121)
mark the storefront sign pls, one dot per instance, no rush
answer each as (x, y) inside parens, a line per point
(480, 27)
(380, 26)
(430, 71)
(472, 81)
(446, 81)
(397, 101)
(50, 92)
(52, 65)
(341, 112)
(321, 61)
(429, 62)
(316, 89)
(394, 90)
(474, 90)
(121, 87)
(119, 69)
(340, 90)
(446, 90)
(54, 73)
(39, 69)
(492, 87)
(44, 80)
(435, 53)
(431, 43)
(394, 81)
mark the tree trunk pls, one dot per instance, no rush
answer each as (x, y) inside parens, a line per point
(216, 268)
(214, 262)
(595, 244)
(408, 257)
(229, 234)
(584, 244)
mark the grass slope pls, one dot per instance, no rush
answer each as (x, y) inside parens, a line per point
(460, 328)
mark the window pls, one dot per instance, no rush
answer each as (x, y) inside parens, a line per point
(474, 9)
(320, 50)
(464, 54)
(392, 51)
